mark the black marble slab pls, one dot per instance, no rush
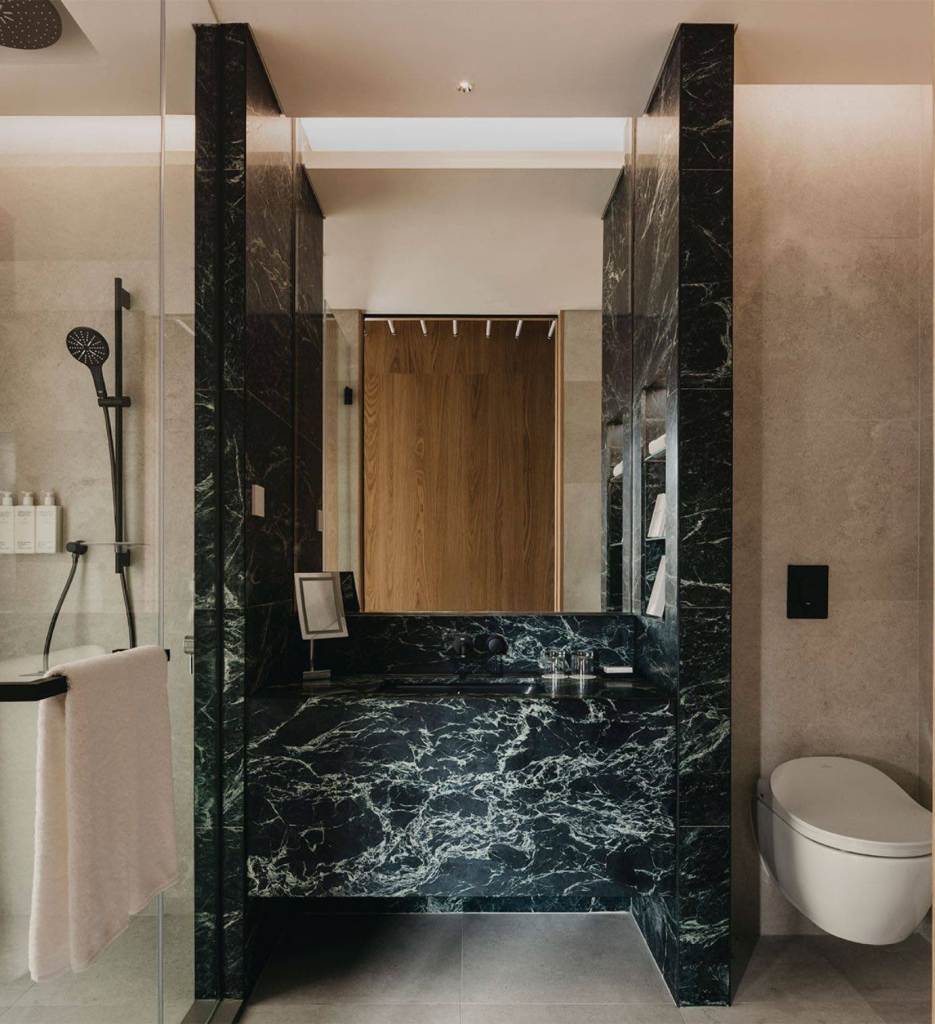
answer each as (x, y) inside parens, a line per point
(680, 178)
(248, 342)
(534, 802)
(378, 643)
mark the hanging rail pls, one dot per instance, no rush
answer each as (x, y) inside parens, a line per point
(41, 688)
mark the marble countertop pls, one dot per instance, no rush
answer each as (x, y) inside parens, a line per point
(415, 686)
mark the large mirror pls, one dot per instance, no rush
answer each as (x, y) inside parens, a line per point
(477, 406)
(466, 468)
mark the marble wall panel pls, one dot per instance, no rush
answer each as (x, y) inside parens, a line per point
(247, 339)
(459, 799)
(421, 643)
(681, 180)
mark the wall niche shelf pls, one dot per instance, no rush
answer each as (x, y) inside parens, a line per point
(652, 429)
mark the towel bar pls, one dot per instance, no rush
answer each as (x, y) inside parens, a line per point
(50, 686)
(38, 689)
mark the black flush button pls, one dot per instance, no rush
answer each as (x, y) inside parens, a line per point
(807, 592)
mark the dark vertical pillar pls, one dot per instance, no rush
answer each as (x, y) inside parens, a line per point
(247, 355)
(309, 365)
(210, 184)
(681, 179)
(616, 395)
(705, 405)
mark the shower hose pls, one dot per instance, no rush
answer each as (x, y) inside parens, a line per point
(78, 548)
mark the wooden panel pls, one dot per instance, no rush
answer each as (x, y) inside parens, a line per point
(459, 505)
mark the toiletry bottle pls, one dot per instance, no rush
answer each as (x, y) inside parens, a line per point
(48, 525)
(24, 530)
(7, 523)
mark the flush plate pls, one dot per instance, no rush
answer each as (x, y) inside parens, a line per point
(807, 592)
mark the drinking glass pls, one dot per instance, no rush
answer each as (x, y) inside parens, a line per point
(554, 662)
(582, 663)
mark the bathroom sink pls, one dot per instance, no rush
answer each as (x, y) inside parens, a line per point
(491, 686)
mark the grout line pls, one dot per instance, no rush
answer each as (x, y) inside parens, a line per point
(16, 1001)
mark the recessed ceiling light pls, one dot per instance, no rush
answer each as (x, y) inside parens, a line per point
(465, 86)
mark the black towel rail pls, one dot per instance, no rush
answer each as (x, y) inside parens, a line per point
(25, 690)
(39, 689)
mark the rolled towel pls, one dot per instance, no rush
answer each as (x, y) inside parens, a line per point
(657, 524)
(656, 605)
(657, 445)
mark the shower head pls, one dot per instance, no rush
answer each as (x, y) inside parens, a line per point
(29, 26)
(87, 346)
(91, 348)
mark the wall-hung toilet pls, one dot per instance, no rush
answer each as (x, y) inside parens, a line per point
(847, 846)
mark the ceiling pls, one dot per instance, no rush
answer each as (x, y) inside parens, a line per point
(570, 58)
(378, 58)
(466, 241)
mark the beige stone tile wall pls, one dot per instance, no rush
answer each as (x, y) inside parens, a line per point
(926, 583)
(832, 433)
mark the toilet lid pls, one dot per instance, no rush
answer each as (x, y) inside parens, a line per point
(849, 805)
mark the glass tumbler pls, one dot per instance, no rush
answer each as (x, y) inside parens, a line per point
(582, 663)
(553, 662)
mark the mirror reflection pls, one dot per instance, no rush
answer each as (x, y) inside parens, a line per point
(464, 469)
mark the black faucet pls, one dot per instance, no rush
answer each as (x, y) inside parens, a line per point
(462, 648)
(496, 646)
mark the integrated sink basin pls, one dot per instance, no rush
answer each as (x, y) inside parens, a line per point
(441, 685)
(492, 686)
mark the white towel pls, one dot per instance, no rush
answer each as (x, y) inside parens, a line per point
(657, 524)
(656, 605)
(105, 822)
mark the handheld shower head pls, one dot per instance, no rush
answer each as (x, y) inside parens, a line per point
(90, 348)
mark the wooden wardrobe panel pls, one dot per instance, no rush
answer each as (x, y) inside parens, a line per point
(458, 467)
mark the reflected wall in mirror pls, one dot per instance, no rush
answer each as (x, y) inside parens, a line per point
(463, 462)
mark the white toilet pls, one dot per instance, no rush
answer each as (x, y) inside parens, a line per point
(847, 846)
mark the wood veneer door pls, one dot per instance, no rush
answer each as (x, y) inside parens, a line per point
(459, 471)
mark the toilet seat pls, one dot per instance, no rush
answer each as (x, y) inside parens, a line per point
(851, 806)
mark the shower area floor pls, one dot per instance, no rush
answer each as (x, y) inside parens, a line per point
(119, 989)
(564, 969)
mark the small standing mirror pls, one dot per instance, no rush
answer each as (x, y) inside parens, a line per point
(321, 612)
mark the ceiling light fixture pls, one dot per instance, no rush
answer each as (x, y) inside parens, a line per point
(465, 86)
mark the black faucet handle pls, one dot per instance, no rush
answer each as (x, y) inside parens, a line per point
(497, 644)
(460, 646)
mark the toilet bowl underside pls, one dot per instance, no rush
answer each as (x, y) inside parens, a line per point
(873, 900)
